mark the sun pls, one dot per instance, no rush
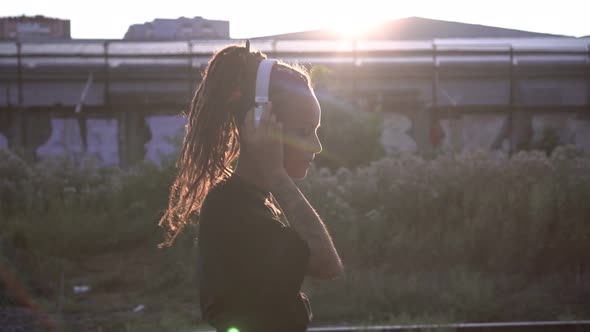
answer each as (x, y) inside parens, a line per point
(355, 25)
(352, 31)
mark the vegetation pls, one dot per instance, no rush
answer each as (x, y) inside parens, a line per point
(470, 237)
(447, 238)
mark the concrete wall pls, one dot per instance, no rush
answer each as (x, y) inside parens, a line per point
(165, 130)
(486, 131)
(65, 138)
(401, 132)
(156, 135)
(3, 141)
(153, 140)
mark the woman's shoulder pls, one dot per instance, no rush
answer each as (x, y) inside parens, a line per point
(219, 199)
(234, 191)
(232, 200)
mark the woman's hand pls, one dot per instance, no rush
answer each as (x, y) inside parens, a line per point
(262, 145)
(261, 156)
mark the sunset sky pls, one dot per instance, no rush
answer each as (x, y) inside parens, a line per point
(110, 19)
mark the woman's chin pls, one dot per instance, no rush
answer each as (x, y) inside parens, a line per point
(297, 174)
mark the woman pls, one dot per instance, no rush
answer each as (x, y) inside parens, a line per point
(258, 235)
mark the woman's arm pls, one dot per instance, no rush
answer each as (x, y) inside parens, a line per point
(261, 156)
(324, 261)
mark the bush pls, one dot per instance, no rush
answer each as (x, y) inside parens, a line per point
(349, 137)
(16, 187)
(490, 213)
(455, 237)
(471, 233)
(70, 207)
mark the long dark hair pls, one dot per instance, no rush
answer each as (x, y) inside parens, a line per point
(211, 141)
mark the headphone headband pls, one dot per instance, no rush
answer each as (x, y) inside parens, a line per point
(263, 80)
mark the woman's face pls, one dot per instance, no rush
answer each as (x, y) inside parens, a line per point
(300, 115)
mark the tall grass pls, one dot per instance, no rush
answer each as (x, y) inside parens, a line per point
(476, 235)
(454, 237)
(71, 207)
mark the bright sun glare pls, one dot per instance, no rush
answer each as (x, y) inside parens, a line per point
(352, 21)
(350, 31)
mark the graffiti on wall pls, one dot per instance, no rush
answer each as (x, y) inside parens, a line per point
(166, 133)
(400, 133)
(488, 131)
(64, 136)
(396, 134)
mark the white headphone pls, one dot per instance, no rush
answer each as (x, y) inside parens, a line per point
(262, 88)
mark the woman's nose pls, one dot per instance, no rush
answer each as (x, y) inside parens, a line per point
(316, 146)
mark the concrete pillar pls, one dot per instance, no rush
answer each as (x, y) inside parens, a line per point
(134, 133)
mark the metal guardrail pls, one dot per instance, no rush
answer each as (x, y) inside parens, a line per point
(547, 326)
(543, 326)
(20, 60)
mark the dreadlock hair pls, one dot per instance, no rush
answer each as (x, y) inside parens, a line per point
(211, 142)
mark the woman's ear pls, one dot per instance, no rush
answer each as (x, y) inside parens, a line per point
(240, 113)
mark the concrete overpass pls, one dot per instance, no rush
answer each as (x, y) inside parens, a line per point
(120, 99)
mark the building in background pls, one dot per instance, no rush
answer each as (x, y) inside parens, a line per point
(182, 28)
(33, 28)
(416, 28)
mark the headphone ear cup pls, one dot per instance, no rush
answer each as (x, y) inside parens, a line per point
(261, 94)
(263, 80)
(258, 110)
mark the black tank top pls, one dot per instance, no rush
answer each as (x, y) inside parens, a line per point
(251, 263)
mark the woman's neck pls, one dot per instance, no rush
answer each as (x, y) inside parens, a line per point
(250, 174)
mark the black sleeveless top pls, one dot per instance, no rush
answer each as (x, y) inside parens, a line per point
(251, 263)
